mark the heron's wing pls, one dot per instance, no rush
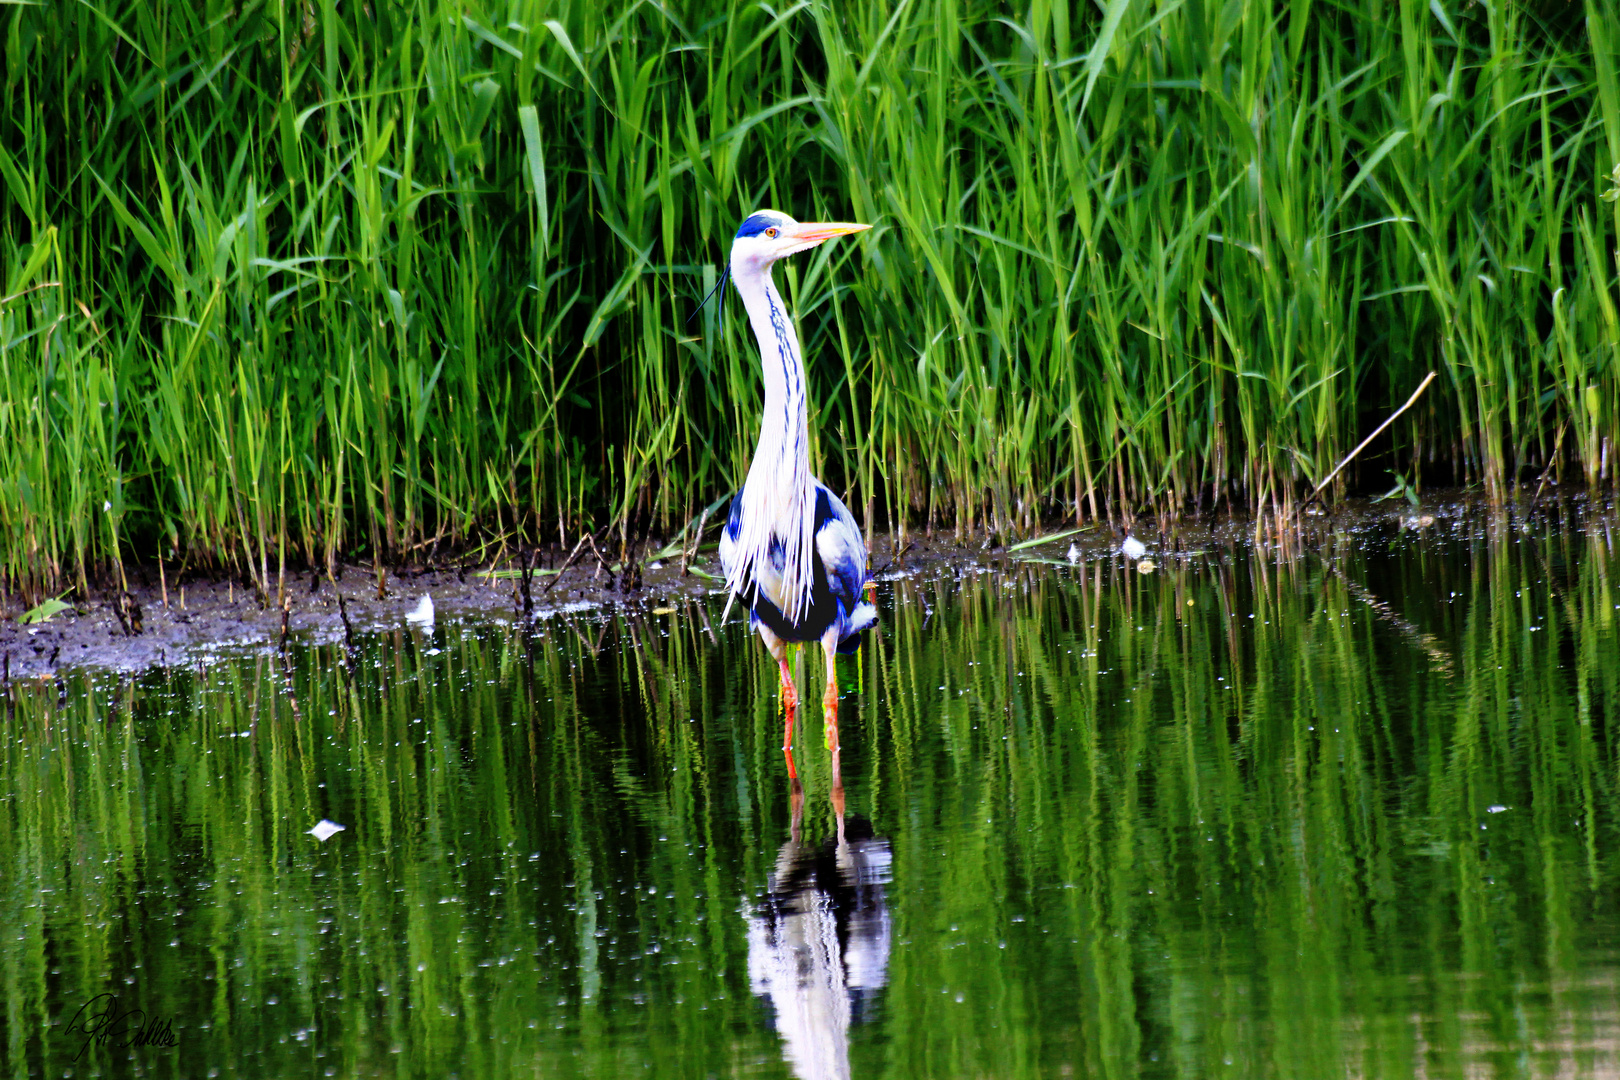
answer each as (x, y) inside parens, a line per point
(839, 543)
(762, 575)
(731, 554)
(843, 553)
(728, 536)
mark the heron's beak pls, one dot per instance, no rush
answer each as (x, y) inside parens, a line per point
(815, 232)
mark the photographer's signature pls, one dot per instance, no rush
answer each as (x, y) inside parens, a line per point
(101, 1022)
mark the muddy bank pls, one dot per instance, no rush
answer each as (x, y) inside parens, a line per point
(167, 622)
(160, 621)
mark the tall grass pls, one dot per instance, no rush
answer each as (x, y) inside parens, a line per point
(313, 281)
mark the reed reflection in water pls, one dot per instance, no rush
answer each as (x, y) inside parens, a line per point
(1348, 814)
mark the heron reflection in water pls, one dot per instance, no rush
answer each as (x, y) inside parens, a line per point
(818, 943)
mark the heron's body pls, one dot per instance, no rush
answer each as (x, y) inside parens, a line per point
(791, 550)
(837, 575)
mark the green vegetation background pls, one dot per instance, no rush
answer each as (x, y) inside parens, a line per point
(315, 280)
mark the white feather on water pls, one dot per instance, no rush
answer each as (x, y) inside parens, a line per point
(423, 614)
(325, 830)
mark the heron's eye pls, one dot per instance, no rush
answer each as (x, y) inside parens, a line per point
(770, 233)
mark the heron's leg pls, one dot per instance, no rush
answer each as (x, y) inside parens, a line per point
(829, 701)
(836, 796)
(790, 690)
(791, 705)
(795, 804)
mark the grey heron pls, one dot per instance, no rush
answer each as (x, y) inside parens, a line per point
(791, 550)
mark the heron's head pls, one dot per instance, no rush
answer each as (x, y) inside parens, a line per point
(769, 235)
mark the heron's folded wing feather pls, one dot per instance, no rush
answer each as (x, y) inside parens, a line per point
(728, 536)
(762, 575)
(842, 551)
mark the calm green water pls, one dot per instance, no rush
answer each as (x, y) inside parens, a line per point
(1234, 818)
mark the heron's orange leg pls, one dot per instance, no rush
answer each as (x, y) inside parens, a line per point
(795, 802)
(829, 701)
(790, 691)
(790, 702)
(836, 795)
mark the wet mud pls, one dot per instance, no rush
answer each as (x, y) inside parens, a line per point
(160, 621)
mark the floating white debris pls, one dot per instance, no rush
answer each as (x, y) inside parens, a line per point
(1495, 809)
(423, 613)
(325, 830)
(1132, 548)
(1074, 553)
(1147, 566)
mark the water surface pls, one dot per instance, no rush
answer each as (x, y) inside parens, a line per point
(1347, 814)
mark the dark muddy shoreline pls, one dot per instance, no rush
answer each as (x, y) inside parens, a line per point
(180, 621)
(158, 622)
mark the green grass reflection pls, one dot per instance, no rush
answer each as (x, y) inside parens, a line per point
(1352, 814)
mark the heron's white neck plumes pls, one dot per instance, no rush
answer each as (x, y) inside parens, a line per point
(778, 498)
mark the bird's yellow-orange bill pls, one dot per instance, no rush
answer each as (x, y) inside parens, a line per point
(825, 230)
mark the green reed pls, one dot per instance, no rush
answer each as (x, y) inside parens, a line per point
(338, 283)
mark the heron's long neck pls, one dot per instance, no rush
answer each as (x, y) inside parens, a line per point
(779, 500)
(784, 434)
